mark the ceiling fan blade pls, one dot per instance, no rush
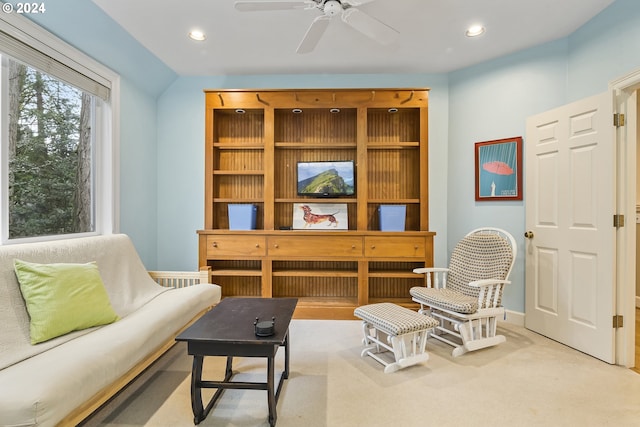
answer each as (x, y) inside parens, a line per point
(314, 33)
(250, 6)
(370, 26)
(355, 3)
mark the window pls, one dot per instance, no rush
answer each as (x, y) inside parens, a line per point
(50, 156)
(56, 118)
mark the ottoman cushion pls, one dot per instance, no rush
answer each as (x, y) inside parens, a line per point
(393, 319)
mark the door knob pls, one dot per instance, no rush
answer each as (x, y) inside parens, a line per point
(528, 234)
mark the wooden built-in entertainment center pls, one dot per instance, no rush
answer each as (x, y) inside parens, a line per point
(253, 141)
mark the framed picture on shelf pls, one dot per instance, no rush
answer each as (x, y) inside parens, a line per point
(498, 167)
(320, 216)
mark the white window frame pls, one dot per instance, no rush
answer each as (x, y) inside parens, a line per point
(106, 155)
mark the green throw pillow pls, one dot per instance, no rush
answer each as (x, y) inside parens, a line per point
(62, 298)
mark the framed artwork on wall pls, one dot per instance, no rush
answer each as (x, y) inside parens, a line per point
(320, 216)
(498, 166)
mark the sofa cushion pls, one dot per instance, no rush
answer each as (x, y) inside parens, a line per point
(63, 297)
(124, 276)
(43, 389)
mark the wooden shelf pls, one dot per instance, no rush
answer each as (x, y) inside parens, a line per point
(251, 157)
(314, 200)
(314, 273)
(395, 145)
(395, 274)
(236, 272)
(301, 146)
(327, 301)
(394, 201)
(237, 200)
(239, 146)
(238, 172)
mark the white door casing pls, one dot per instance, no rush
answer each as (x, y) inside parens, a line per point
(570, 191)
(626, 90)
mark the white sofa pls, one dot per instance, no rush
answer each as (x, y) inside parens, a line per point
(63, 380)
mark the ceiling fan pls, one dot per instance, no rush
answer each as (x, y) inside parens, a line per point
(366, 24)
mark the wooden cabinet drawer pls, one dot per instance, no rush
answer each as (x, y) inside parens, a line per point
(234, 245)
(315, 246)
(394, 247)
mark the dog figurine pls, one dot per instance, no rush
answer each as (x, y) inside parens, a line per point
(311, 218)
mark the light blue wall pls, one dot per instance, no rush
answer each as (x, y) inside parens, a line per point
(162, 136)
(606, 48)
(181, 149)
(86, 27)
(487, 102)
(493, 100)
(138, 169)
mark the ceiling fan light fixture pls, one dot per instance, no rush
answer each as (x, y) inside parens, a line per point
(197, 35)
(332, 7)
(475, 31)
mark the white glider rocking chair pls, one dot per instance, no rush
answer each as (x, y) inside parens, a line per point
(466, 298)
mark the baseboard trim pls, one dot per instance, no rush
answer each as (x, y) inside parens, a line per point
(514, 317)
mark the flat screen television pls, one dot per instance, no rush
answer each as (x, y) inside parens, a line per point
(326, 178)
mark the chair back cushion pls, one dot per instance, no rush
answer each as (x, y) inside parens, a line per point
(479, 256)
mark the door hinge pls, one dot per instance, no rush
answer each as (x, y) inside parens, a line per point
(618, 321)
(618, 220)
(618, 119)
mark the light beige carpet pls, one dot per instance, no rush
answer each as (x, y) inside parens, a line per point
(527, 381)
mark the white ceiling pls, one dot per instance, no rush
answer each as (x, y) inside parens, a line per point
(431, 40)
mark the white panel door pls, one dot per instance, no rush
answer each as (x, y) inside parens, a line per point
(570, 202)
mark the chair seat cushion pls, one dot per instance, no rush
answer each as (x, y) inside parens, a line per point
(445, 298)
(393, 319)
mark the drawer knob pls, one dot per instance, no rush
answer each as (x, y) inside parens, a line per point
(276, 246)
(373, 246)
(257, 245)
(353, 246)
(215, 244)
(415, 247)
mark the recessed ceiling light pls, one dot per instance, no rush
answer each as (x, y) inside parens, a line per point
(475, 31)
(197, 35)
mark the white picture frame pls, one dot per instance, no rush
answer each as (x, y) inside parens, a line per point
(320, 216)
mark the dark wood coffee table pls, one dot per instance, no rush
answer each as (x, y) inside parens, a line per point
(228, 330)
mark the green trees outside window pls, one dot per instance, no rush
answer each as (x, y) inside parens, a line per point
(50, 153)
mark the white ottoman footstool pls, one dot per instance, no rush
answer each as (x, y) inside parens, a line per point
(405, 330)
